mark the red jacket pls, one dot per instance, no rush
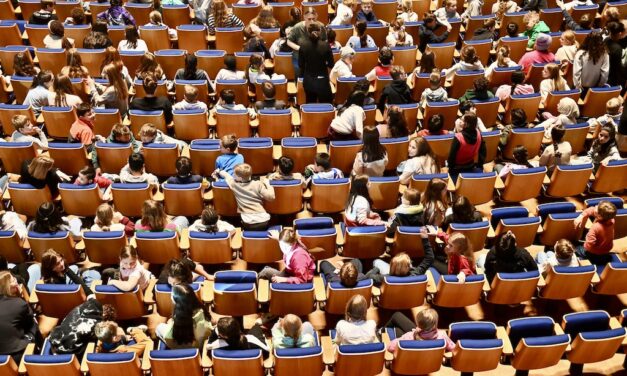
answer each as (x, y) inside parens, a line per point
(301, 266)
(459, 264)
(600, 238)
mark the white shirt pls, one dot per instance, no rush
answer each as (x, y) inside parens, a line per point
(349, 121)
(124, 46)
(225, 74)
(355, 332)
(340, 69)
(343, 15)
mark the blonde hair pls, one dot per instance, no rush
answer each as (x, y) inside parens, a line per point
(292, 325)
(5, 284)
(112, 73)
(569, 36)
(613, 105)
(244, 171)
(555, 75)
(427, 319)
(366, 2)
(532, 16)
(463, 245)
(606, 210)
(104, 216)
(19, 122)
(191, 93)
(564, 249)
(407, 6)
(229, 141)
(153, 215)
(147, 129)
(105, 331)
(400, 265)
(356, 308)
(40, 166)
(155, 17)
(501, 54)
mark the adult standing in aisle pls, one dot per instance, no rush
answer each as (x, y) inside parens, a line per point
(315, 58)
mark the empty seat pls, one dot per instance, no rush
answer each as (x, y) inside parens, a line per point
(535, 343)
(258, 248)
(249, 362)
(569, 180)
(235, 293)
(523, 184)
(478, 348)
(364, 242)
(315, 120)
(477, 187)
(258, 153)
(203, 154)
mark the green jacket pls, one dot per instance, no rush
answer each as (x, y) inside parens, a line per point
(540, 27)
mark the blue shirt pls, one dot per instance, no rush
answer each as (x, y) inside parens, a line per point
(370, 17)
(227, 162)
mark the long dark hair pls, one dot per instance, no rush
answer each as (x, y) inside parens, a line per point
(191, 65)
(557, 136)
(397, 125)
(355, 98)
(594, 46)
(372, 149)
(602, 150)
(185, 305)
(359, 187)
(361, 27)
(463, 210)
(314, 30)
(230, 331)
(48, 218)
(209, 218)
(131, 35)
(41, 78)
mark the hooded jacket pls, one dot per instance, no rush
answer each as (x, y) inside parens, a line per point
(407, 215)
(513, 260)
(77, 329)
(397, 92)
(470, 136)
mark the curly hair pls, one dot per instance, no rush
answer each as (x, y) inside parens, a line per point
(594, 46)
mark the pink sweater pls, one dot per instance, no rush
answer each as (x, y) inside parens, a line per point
(431, 334)
(301, 266)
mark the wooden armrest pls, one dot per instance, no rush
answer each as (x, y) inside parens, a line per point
(206, 292)
(32, 299)
(184, 239)
(339, 239)
(498, 183)
(263, 291)
(614, 324)
(269, 363)
(146, 358)
(386, 340)
(205, 359)
(319, 289)
(432, 288)
(236, 239)
(558, 329)
(541, 281)
(91, 347)
(149, 293)
(547, 180)
(328, 350)
(501, 334)
(30, 350)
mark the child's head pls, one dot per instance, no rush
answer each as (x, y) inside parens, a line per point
(521, 155)
(427, 62)
(348, 274)
(564, 249)
(147, 133)
(252, 31)
(450, 5)
(435, 78)
(359, 187)
(268, 89)
(470, 121)
(407, 6)
(568, 38)
(366, 6)
(128, 258)
(322, 162)
(551, 71)
(291, 326)
(531, 19)
(459, 244)
(400, 265)
(155, 17)
(614, 106)
(191, 93)
(436, 123)
(398, 72)
(255, 61)
(435, 191)
(150, 84)
(607, 135)
(518, 77)
(519, 117)
(469, 54)
(86, 175)
(411, 196)
(386, 57)
(209, 217)
(557, 133)
(427, 320)
(429, 20)
(104, 216)
(229, 330)
(501, 53)
(243, 172)
(288, 235)
(463, 210)
(419, 147)
(121, 133)
(512, 29)
(178, 272)
(136, 162)
(228, 144)
(605, 211)
(230, 63)
(83, 110)
(481, 85)
(286, 165)
(107, 332)
(183, 167)
(356, 308)
(227, 96)
(23, 125)
(153, 215)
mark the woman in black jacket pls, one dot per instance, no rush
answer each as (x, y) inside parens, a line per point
(228, 335)
(506, 257)
(40, 172)
(315, 59)
(18, 326)
(463, 212)
(426, 32)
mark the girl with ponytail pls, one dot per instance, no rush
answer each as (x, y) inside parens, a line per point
(299, 263)
(361, 40)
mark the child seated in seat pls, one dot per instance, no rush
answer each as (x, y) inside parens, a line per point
(88, 175)
(25, 131)
(292, 332)
(563, 254)
(600, 238)
(426, 329)
(149, 134)
(409, 213)
(120, 134)
(184, 173)
(229, 158)
(112, 338)
(130, 274)
(250, 195)
(435, 92)
(135, 171)
(109, 220)
(613, 112)
(227, 103)
(190, 100)
(285, 170)
(321, 169)
(382, 69)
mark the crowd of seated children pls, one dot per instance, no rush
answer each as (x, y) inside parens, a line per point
(400, 265)
(425, 328)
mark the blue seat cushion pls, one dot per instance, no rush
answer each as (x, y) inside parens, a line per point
(472, 330)
(237, 354)
(208, 235)
(298, 352)
(530, 327)
(110, 357)
(603, 334)
(48, 359)
(519, 276)
(362, 349)
(422, 345)
(292, 286)
(313, 223)
(156, 235)
(173, 354)
(298, 141)
(481, 343)
(546, 341)
(45, 287)
(586, 322)
(236, 277)
(405, 280)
